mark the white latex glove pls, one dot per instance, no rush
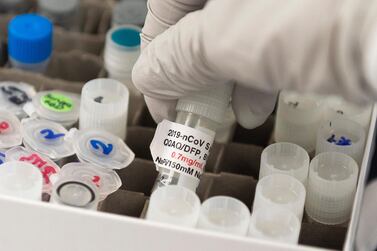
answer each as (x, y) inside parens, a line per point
(322, 46)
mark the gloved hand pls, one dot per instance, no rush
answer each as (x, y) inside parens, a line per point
(327, 47)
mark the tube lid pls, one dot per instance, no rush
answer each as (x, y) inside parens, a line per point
(107, 181)
(47, 167)
(30, 38)
(10, 130)
(100, 148)
(58, 106)
(46, 137)
(211, 104)
(14, 95)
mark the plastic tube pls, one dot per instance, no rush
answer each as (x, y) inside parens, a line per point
(224, 214)
(174, 205)
(331, 188)
(280, 190)
(104, 105)
(62, 13)
(129, 12)
(341, 135)
(285, 158)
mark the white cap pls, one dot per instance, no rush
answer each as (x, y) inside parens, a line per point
(46, 137)
(58, 106)
(100, 148)
(337, 107)
(285, 158)
(280, 190)
(275, 224)
(46, 166)
(341, 135)
(331, 188)
(211, 104)
(10, 130)
(106, 180)
(174, 205)
(130, 12)
(74, 192)
(297, 119)
(224, 214)
(14, 95)
(21, 180)
(104, 105)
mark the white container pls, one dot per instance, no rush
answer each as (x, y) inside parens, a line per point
(280, 190)
(285, 158)
(21, 180)
(331, 188)
(104, 105)
(275, 224)
(341, 135)
(298, 118)
(82, 226)
(174, 205)
(224, 214)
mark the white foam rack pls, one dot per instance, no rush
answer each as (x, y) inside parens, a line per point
(40, 226)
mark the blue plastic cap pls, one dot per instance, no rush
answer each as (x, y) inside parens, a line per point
(126, 37)
(30, 38)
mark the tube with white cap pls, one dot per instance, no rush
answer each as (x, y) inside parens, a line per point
(122, 49)
(181, 149)
(224, 214)
(21, 179)
(174, 205)
(104, 105)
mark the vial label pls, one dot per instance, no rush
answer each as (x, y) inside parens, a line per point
(57, 102)
(46, 169)
(181, 148)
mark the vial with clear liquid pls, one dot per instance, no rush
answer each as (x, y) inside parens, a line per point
(205, 112)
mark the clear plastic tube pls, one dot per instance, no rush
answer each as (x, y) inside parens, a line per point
(170, 177)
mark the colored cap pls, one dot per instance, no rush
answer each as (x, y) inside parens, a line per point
(30, 38)
(211, 104)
